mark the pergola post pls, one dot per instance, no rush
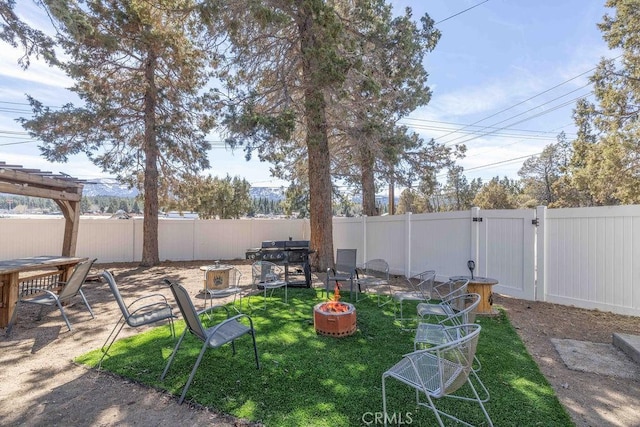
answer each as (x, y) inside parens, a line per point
(71, 212)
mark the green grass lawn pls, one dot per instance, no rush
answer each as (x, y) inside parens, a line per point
(312, 380)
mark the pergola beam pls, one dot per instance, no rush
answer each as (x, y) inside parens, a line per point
(66, 191)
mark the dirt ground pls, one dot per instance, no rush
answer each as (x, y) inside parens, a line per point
(40, 385)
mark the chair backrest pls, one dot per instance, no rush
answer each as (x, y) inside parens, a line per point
(461, 351)
(75, 281)
(423, 283)
(111, 281)
(447, 290)
(189, 313)
(346, 260)
(377, 268)
(264, 271)
(463, 309)
(234, 277)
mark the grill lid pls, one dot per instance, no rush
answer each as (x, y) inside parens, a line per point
(285, 244)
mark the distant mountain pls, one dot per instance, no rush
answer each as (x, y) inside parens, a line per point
(269, 193)
(111, 188)
(107, 187)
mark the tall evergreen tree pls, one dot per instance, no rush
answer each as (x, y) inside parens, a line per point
(287, 57)
(498, 194)
(458, 193)
(606, 162)
(386, 84)
(141, 69)
(17, 33)
(540, 175)
(211, 197)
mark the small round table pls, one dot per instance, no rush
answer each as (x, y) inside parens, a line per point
(481, 286)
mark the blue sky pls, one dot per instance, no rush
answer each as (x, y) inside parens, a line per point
(504, 76)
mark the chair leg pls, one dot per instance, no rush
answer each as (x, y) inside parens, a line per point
(384, 401)
(120, 323)
(437, 412)
(193, 372)
(477, 399)
(173, 355)
(84, 299)
(255, 348)
(172, 327)
(64, 316)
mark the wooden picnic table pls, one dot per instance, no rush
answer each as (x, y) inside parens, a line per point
(10, 277)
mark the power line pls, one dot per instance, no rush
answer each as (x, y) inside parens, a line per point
(460, 13)
(526, 100)
(564, 104)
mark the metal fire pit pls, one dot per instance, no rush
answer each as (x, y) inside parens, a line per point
(333, 323)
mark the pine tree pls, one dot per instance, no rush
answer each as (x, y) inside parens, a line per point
(606, 160)
(141, 69)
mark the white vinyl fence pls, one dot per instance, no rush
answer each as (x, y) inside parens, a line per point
(586, 257)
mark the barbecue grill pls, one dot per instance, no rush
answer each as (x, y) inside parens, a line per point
(292, 254)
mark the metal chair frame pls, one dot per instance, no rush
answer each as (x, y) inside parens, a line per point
(449, 294)
(420, 291)
(374, 274)
(233, 289)
(441, 371)
(140, 312)
(267, 275)
(47, 297)
(213, 337)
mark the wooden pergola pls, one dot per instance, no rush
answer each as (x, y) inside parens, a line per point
(65, 190)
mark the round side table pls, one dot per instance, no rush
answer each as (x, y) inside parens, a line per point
(481, 286)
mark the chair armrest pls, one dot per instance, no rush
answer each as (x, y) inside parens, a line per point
(154, 306)
(35, 290)
(231, 319)
(164, 300)
(213, 307)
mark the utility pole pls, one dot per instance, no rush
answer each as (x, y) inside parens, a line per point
(392, 200)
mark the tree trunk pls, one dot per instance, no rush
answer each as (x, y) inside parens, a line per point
(367, 182)
(317, 144)
(150, 252)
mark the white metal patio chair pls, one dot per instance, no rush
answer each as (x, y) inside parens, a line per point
(142, 311)
(268, 277)
(462, 310)
(48, 298)
(374, 274)
(219, 289)
(419, 289)
(213, 337)
(440, 371)
(448, 293)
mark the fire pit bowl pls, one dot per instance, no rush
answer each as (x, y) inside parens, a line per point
(335, 319)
